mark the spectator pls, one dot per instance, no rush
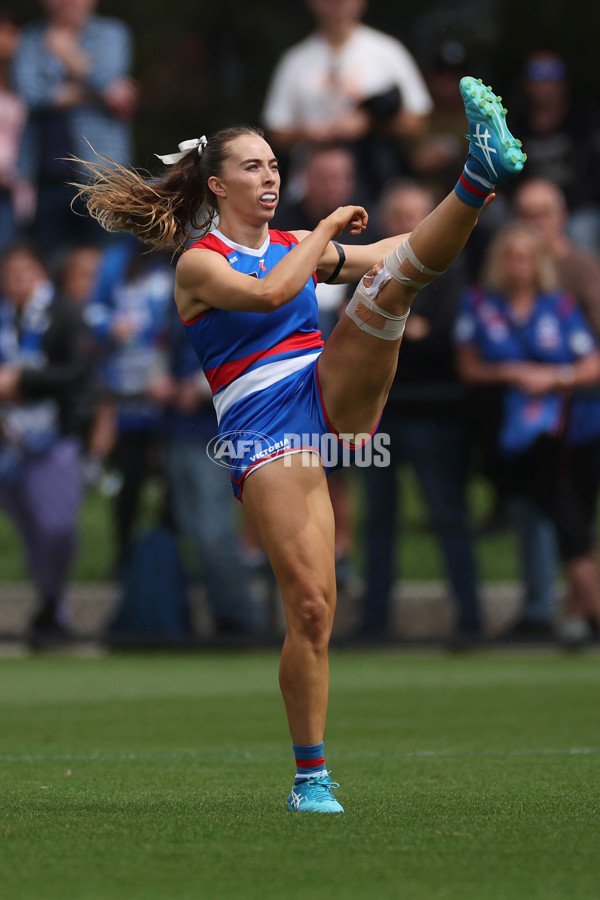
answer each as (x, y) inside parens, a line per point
(562, 136)
(44, 371)
(77, 275)
(15, 193)
(536, 532)
(543, 205)
(520, 331)
(425, 419)
(72, 70)
(200, 498)
(128, 315)
(327, 179)
(349, 83)
(76, 279)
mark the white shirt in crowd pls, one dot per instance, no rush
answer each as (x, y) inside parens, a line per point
(315, 83)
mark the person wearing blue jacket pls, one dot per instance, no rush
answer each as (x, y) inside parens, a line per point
(521, 332)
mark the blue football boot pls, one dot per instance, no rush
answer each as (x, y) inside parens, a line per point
(314, 795)
(490, 141)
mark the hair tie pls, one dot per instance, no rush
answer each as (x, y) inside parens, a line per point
(185, 146)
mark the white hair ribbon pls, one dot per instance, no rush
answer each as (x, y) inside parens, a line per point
(185, 146)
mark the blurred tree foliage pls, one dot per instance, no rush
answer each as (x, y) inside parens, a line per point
(202, 65)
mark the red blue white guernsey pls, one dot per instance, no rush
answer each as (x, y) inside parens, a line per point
(262, 367)
(243, 353)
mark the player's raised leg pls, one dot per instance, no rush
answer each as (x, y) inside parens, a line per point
(363, 348)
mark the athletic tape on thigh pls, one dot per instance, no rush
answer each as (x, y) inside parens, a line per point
(370, 317)
(404, 266)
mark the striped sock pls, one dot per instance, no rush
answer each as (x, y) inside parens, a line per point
(310, 761)
(474, 185)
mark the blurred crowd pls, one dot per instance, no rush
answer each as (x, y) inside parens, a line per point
(499, 371)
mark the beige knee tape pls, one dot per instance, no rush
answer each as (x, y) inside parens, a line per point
(403, 265)
(370, 317)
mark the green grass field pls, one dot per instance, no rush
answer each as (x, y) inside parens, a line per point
(164, 776)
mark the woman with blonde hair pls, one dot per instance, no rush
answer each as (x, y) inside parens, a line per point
(521, 332)
(247, 297)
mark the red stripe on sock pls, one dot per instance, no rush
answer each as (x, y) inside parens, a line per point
(311, 763)
(472, 189)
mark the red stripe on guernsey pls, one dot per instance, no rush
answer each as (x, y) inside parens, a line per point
(223, 375)
(472, 189)
(191, 322)
(210, 241)
(311, 763)
(283, 237)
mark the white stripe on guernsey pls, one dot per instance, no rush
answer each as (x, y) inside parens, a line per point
(240, 247)
(474, 177)
(259, 379)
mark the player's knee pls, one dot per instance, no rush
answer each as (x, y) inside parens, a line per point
(313, 616)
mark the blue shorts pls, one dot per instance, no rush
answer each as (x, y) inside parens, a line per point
(285, 418)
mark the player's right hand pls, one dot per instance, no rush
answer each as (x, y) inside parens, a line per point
(353, 217)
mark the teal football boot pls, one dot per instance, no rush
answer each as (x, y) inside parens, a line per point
(314, 795)
(490, 141)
